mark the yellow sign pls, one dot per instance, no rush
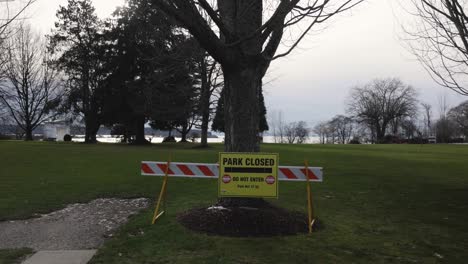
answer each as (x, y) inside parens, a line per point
(248, 175)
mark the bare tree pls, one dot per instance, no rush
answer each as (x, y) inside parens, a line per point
(443, 106)
(427, 112)
(272, 125)
(409, 128)
(8, 15)
(362, 134)
(445, 130)
(330, 133)
(250, 33)
(211, 77)
(296, 132)
(444, 127)
(3, 57)
(277, 126)
(290, 131)
(321, 131)
(379, 102)
(343, 128)
(3, 113)
(440, 41)
(30, 89)
(302, 132)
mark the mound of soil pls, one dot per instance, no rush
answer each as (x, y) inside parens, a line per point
(239, 221)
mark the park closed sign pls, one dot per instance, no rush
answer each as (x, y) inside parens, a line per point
(248, 175)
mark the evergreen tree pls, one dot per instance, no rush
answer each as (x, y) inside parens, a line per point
(78, 41)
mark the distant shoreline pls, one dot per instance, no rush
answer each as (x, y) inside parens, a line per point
(218, 139)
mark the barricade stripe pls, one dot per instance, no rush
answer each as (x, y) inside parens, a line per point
(185, 169)
(175, 170)
(211, 170)
(156, 168)
(288, 173)
(205, 170)
(312, 175)
(197, 171)
(163, 168)
(297, 172)
(146, 169)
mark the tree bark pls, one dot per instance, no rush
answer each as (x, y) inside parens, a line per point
(140, 131)
(29, 133)
(242, 120)
(184, 132)
(242, 75)
(241, 109)
(381, 133)
(204, 130)
(92, 126)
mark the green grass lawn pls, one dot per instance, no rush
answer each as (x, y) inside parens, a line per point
(13, 256)
(378, 203)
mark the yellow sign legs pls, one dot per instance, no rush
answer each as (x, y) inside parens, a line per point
(162, 195)
(310, 207)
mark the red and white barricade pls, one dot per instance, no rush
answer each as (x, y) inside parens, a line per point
(211, 170)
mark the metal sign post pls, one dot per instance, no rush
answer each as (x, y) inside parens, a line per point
(162, 195)
(310, 207)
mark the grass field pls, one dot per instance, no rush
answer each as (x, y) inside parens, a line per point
(378, 203)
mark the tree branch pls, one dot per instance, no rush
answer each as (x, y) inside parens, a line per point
(186, 13)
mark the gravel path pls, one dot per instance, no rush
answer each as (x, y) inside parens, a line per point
(78, 226)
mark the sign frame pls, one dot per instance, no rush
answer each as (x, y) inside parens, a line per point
(274, 173)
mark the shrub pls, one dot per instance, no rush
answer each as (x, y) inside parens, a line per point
(391, 139)
(194, 136)
(6, 137)
(354, 141)
(169, 139)
(456, 140)
(418, 140)
(67, 138)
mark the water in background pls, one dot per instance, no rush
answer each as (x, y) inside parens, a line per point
(220, 139)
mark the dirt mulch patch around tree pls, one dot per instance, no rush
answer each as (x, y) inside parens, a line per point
(263, 221)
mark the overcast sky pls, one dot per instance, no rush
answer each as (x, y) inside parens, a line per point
(312, 83)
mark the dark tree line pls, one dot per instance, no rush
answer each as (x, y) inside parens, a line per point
(138, 68)
(162, 63)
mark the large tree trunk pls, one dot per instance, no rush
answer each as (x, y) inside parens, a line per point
(140, 131)
(91, 128)
(380, 134)
(28, 133)
(241, 120)
(242, 75)
(184, 132)
(241, 109)
(242, 81)
(204, 129)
